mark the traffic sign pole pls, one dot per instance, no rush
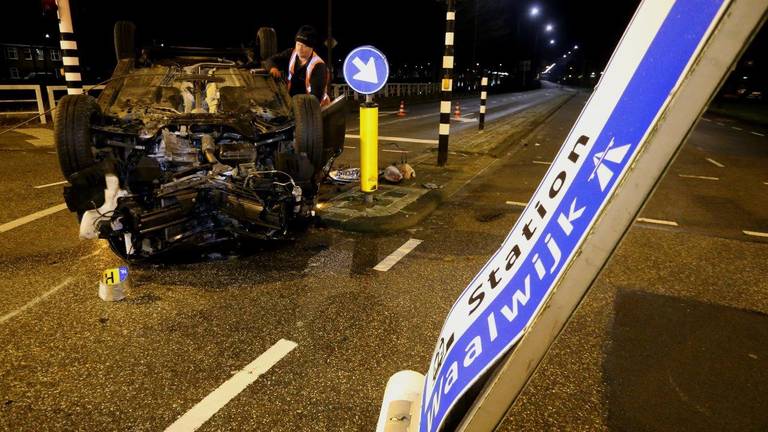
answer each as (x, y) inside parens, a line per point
(483, 99)
(366, 71)
(369, 148)
(446, 86)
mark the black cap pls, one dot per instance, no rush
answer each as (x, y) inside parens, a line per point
(307, 35)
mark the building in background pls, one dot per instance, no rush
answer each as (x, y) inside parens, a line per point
(30, 64)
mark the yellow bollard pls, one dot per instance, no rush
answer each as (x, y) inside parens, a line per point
(369, 149)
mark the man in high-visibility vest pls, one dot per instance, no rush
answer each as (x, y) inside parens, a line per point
(307, 72)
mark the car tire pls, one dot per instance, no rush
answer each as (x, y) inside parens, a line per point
(125, 42)
(267, 38)
(72, 132)
(308, 135)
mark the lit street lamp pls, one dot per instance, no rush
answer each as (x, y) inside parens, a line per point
(549, 27)
(551, 41)
(534, 11)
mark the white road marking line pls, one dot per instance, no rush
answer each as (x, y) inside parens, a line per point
(397, 255)
(101, 247)
(50, 184)
(698, 177)
(757, 133)
(349, 147)
(399, 139)
(517, 203)
(706, 119)
(736, 128)
(720, 124)
(715, 163)
(30, 218)
(464, 119)
(756, 234)
(542, 163)
(396, 151)
(35, 301)
(206, 408)
(657, 221)
(765, 183)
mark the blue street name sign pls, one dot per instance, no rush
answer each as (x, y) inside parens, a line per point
(366, 70)
(501, 302)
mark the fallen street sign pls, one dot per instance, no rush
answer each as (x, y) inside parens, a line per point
(657, 53)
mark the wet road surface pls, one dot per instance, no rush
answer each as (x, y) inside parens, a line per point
(73, 362)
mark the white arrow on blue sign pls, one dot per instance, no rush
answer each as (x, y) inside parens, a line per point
(366, 69)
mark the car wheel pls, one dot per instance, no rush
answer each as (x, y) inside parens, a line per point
(309, 129)
(72, 132)
(267, 42)
(125, 43)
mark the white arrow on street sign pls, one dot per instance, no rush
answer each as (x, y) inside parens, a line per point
(367, 70)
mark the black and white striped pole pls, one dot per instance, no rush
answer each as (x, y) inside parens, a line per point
(483, 98)
(447, 85)
(69, 49)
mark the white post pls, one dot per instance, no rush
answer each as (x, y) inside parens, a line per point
(69, 49)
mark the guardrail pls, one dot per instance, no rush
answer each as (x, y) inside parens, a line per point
(390, 89)
(52, 99)
(19, 88)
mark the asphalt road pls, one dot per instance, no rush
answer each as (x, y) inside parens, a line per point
(73, 362)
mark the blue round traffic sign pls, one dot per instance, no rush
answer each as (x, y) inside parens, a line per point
(366, 69)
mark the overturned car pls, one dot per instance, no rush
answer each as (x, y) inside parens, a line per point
(192, 147)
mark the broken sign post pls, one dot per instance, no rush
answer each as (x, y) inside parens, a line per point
(670, 61)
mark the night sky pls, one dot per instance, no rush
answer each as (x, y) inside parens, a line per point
(490, 32)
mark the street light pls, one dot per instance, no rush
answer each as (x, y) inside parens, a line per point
(575, 47)
(549, 27)
(551, 41)
(534, 11)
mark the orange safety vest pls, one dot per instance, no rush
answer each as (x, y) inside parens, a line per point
(314, 60)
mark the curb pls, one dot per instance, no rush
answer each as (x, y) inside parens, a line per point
(411, 215)
(419, 210)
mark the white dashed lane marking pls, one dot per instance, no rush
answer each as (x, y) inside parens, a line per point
(35, 301)
(715, 163)
(657, 221)
(542, 163)
(397, 255)
(698, 177)
(517, 203)
(399, 139)
(756, 234)
(50, 184)
(757, 133)
(31, 218)
(212, 403)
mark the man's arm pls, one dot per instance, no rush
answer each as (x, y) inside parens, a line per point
(317, 80)
(279, 61)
